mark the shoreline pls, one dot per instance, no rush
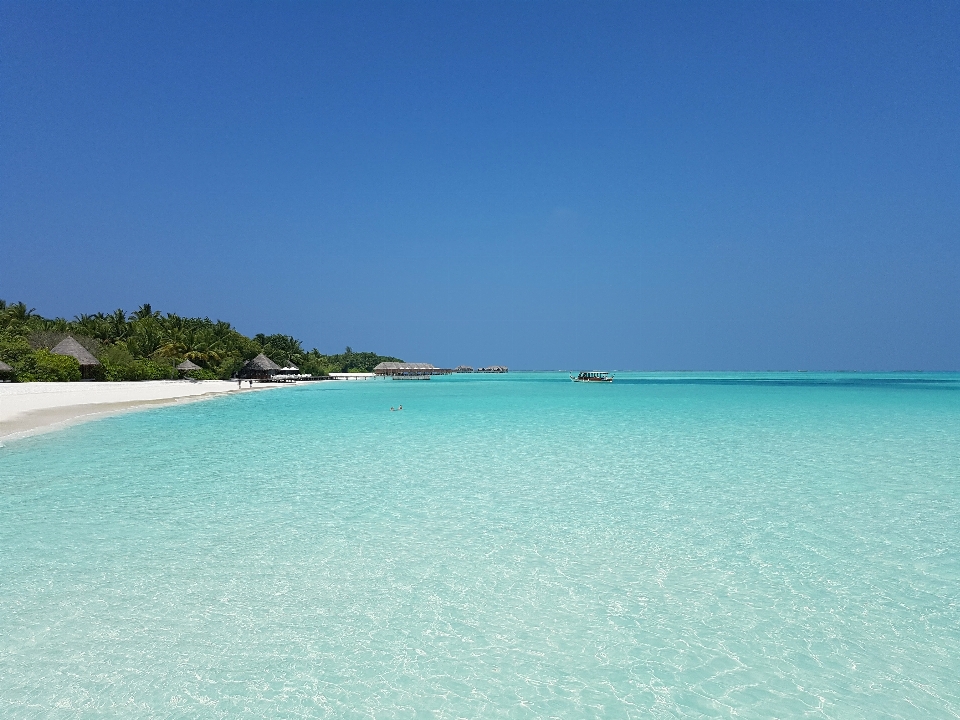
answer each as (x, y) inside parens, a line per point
(28, 409)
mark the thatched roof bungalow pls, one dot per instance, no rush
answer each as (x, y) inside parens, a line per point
(260, 368)
(187, 366)
(401, 369)
(5, 371)
(71, 348)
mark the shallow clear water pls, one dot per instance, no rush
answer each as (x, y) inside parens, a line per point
(515, 546)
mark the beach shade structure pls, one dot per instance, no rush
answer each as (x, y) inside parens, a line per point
(187, 366)
(71, 348)
(260, 368)
(290, 369)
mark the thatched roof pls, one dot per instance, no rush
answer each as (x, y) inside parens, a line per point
(262, 362)
(70, 347)
(4, 368)
(187, 366)
(403, 366)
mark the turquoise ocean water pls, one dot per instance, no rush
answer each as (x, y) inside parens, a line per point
(514, 546)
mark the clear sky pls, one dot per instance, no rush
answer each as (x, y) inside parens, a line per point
(739, 185)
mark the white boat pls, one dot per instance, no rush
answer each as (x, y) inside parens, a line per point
(593, 376)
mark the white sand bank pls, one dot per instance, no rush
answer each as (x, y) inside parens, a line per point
(30, 408)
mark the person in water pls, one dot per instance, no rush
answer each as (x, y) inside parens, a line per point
(400, 408)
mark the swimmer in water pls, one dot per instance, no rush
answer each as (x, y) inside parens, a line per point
(400, 408)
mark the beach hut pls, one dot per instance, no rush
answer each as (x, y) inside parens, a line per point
(6, 372)
(186, 367)
(260, 368)
(71, 348)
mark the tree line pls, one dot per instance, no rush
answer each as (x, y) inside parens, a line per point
(148, 345)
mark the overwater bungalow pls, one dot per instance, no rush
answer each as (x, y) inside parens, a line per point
(71, 348)
(493, 369)
(409, 371)
(463, 369)
(260, 368)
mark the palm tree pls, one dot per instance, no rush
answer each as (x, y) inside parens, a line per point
(146, 338)
(58, 325)
(18, 312)
(95, 326)
(118, 325)
(143, 312)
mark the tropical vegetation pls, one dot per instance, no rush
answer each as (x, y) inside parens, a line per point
(148, 345)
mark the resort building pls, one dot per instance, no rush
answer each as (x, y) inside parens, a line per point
(463, 369)
(71, 348)
(6, 372)
(409, 370)
(260, 368)
(493, 369)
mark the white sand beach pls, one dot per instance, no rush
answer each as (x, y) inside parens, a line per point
(31, 408)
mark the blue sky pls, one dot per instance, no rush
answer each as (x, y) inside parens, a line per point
(545, 185)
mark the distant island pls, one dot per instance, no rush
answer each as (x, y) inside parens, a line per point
(149, 345)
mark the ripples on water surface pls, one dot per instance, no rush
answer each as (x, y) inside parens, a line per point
(519, 546)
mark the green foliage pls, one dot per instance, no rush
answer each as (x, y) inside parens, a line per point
(44, 366)
(115, 355)
(120, 364)
(147, 345)
(139, 370)
(282, 349)
(347, 361)
(13, 348)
